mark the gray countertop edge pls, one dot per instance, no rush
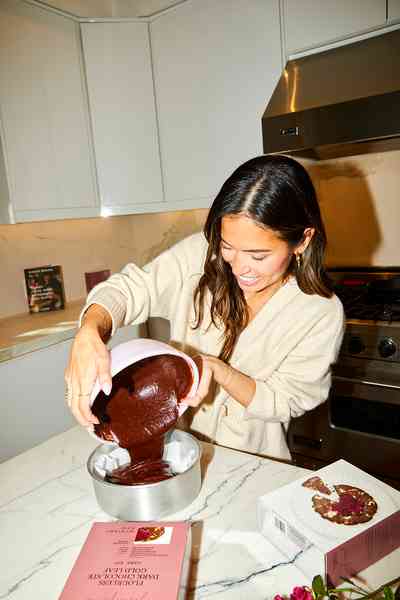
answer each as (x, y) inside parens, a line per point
(21, 348)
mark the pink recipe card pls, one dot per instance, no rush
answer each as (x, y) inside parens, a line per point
(131, 561)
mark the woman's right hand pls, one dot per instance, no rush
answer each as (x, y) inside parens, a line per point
(89, 360)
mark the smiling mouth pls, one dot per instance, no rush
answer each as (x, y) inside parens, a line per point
(246, 280)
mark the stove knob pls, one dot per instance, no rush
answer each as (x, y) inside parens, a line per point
(355, 345)
(387, 347)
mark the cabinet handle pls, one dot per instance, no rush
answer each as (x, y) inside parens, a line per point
(290, 131)
(366, 382)
(302, 440)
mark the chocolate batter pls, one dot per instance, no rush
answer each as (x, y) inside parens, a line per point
(141, 408)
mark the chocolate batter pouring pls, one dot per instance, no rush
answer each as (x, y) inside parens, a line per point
(141, 408)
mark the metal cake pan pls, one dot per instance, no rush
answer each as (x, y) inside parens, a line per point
(148, 502)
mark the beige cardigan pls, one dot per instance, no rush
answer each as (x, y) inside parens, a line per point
(288, 348)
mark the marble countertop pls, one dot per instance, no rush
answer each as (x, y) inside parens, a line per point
(24, 333)
(47, 506)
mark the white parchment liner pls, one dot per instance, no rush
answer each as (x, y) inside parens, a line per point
(179, 452)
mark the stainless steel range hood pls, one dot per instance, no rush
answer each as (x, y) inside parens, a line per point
(337, 103)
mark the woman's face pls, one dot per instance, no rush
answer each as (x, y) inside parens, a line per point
(258, 257)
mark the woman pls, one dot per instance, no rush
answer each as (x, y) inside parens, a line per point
(250, 295)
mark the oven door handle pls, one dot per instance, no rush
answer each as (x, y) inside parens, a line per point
(365, 382)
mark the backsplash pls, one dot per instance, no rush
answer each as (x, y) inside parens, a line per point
(80, 245)
(359, 199)
(360, 203)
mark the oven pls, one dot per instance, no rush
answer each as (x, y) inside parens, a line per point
(360, 421)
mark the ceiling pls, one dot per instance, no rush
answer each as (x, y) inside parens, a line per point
(109, 8)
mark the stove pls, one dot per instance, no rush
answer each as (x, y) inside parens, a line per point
(360, 421)
(371, 301)
(369, 295)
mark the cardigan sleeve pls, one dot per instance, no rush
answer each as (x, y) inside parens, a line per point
(135, 293)
(302, 381)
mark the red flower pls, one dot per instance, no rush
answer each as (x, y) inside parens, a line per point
(301, 593)
(279, 597)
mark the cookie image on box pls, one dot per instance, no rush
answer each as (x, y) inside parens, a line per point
(349, 505)
(149, 534)
(353, 507)
(316, 483)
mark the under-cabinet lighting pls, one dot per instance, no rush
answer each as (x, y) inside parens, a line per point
(105, 212)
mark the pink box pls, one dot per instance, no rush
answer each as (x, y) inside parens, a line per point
(132, 560)
(329, 527)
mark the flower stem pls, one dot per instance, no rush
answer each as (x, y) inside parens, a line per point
(389, 584)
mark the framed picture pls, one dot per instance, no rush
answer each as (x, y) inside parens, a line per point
(95, 277)
(44, 288)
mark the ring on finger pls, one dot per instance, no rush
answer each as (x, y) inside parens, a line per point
(68, 394)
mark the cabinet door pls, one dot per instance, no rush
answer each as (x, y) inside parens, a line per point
(43, 107)
(312, 23)
(393, 9)
(215, 67)
(33, 399)
(122, 106)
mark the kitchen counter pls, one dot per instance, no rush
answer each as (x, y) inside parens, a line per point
(47, 506)
(24, 333)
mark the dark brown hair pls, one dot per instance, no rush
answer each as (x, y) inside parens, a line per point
(276, 192)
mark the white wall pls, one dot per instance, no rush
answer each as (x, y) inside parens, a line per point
(80, 245)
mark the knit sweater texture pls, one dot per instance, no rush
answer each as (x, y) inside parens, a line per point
(288, 348)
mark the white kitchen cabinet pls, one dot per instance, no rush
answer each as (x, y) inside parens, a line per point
(313, 23)
(32, 399)
(122, 108)
(47, 169)
(215, 67)
(393, 10)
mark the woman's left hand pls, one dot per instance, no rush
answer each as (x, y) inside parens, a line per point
(210, 369)
(239, 386)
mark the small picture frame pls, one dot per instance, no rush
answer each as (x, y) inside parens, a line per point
(44, 288)
(95, 277)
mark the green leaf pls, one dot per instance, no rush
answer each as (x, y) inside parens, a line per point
(388, 593)
(318, 587)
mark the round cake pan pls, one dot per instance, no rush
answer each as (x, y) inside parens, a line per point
(152, 501)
